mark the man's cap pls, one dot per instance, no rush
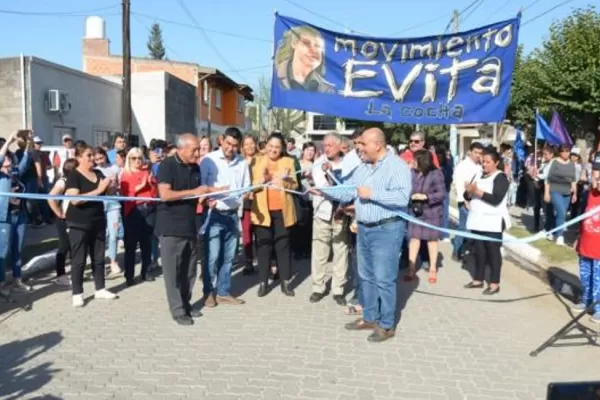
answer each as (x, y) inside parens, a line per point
(67, 137)
(37, 139)
(576, 150)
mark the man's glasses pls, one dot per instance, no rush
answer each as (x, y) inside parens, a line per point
(416, 141)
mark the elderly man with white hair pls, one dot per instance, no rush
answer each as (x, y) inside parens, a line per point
(330, 234)
(178, 179)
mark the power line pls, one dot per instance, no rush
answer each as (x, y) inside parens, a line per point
(137, 19)
(59, 13)
(473, 10)
(546, 12)
(207, 38)
(533, 3)
(316, 14)
(431, 21)
(183, 24)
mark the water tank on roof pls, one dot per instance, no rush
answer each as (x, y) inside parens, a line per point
(95, 28)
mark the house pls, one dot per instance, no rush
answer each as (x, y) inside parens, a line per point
(220, 101)
(55, 100)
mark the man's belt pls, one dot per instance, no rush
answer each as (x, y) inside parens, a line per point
(380, 222)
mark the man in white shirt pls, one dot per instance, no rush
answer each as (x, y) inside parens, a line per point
(222, 167)
(465, 172)
(329, 233)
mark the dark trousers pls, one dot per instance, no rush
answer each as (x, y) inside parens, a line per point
(86, 241)
(487, 253)
(276, 237)
(64, 247)
(179, 263)
(537, 206)
(139, 228)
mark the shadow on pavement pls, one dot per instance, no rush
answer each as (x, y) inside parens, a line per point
(16, 380)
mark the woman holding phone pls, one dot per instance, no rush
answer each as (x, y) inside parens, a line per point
(140, 216)
(87, 224)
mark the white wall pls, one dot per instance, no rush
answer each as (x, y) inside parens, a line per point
(148, 92)
(95, 103)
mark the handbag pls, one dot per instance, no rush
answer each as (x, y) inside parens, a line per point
(418, 206)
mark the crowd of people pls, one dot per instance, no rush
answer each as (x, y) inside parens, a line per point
(279, 202)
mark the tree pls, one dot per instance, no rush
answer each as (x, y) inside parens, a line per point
(284, 120)
(563, 74)
(155, 43)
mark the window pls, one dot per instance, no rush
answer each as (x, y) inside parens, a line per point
(324, 123)
(101, 137)
(205, 92)
(351, 124)
(218, 99)
(240, 103)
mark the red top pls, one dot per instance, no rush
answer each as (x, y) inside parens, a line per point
(409, 156)
(589, 236)
(130, 181)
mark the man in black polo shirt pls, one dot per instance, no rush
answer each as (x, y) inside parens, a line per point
(178, 178)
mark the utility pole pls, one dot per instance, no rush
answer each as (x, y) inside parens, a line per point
(126, 94)
(453, 129)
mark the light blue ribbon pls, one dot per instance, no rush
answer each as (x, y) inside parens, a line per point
(238, 193)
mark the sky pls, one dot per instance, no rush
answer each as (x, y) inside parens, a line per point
(245, 53)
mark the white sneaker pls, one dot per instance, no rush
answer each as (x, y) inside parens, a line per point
(19, 286)
(550, 237)
(77, 300)
(105, 295)
(63, 280)
(560, 241)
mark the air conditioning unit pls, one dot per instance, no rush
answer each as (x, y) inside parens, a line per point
(58, 101)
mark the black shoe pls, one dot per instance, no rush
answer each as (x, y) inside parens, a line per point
(457, 258)
(148, 278)
(185, 320)
(248, 270)
(195, 313)
(472, 285)
(262, 290)
(286, 289)
(339, 299)
(130, 282)
(489, 291)
(316, 297)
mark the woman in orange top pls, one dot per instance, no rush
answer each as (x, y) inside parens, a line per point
(273, 212)
(249, 150)
(137, 181)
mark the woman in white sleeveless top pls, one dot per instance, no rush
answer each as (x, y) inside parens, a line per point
(488, 216)
(60, 211)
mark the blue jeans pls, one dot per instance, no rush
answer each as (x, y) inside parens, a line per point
(113, 224)
(560, 203)
(379, 250)
(589, 274)
(12, 234)
(446, 216)
(155, 249)
(220, 243)
(463, 213)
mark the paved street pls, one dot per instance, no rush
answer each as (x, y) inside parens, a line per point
(451, 344)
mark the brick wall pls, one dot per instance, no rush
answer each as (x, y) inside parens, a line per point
(113, 65)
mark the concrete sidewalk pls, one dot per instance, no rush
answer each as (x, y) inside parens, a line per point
(562, 277)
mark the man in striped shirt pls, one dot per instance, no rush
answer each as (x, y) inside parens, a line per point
(383, 186)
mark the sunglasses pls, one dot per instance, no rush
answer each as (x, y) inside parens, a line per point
(134, 158)
(415, 141)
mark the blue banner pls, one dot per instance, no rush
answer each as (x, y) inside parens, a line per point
(457, 78)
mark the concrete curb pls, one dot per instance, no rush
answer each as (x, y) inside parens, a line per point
(530, 259)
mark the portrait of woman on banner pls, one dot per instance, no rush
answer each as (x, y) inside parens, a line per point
(300, 61)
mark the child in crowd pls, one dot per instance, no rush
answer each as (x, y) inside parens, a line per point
(588, 248)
